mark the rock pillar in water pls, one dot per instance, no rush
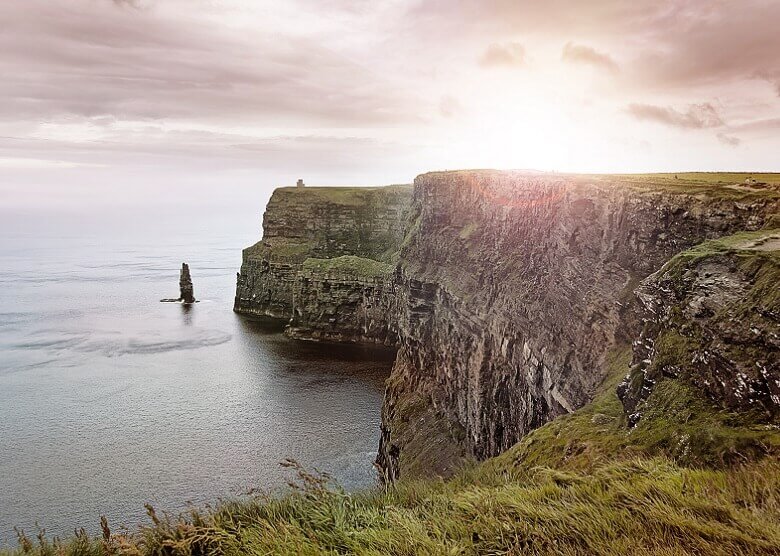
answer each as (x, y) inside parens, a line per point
(186, 293)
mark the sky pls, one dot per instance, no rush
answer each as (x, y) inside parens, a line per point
(109, 102)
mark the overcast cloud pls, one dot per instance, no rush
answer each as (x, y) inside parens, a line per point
(375, 92)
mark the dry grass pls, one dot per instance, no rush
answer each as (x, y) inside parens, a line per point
(641, 506)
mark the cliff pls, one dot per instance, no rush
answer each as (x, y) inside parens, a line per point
(324, 262)
(626, 305)
(711, 319)
(509, 292)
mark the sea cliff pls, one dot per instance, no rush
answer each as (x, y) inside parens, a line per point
(612, 341)
(505, 292)
(324, 262)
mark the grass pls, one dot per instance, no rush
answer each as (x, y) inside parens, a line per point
(719, 178)
(677, 424)
(745, 246)
(351, 196)
(755, 254)
(647, 506)
(725, 185)
(279, 250)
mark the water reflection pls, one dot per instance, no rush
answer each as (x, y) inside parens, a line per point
(186, 313)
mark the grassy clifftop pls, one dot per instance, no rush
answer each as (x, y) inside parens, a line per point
(726, 185)
(339, 195)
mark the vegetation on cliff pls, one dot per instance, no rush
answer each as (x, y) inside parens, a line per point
(596, 500)
(354, 196)
(722, 185)
(315, 239)
(638, 507)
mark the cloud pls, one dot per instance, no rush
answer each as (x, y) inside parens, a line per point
(729, 140)
(664, 44)
(191, 150)
(507, 54)
(581, 54)
(708, 43)
(128, 3)
(767, 124)
(39, 163)
(260, 85)
(773, 78)
(147, 65)
(697, 116)
(449, 106)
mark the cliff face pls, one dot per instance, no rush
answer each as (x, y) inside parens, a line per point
(323, 262)
(510, 292)
(342, 300)
(711, 318)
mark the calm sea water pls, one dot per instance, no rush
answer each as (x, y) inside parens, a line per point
(110, 399)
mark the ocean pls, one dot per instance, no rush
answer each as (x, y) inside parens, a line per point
(110, 399)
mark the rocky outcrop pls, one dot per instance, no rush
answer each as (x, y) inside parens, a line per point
(186, 291)
(345, 299)
(324, 262)
(711, 317)
(511, 290)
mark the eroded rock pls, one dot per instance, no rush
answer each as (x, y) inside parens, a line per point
(711, 317)
(186, 292)
(324, 263)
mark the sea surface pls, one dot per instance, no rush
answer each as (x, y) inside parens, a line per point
(110, 399)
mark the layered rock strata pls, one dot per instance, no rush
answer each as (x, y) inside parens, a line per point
(324, 262)
(510, 291)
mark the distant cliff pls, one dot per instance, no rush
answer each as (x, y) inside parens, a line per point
(507, 295)
(325, 260)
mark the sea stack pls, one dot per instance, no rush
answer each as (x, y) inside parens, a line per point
(186, 293)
